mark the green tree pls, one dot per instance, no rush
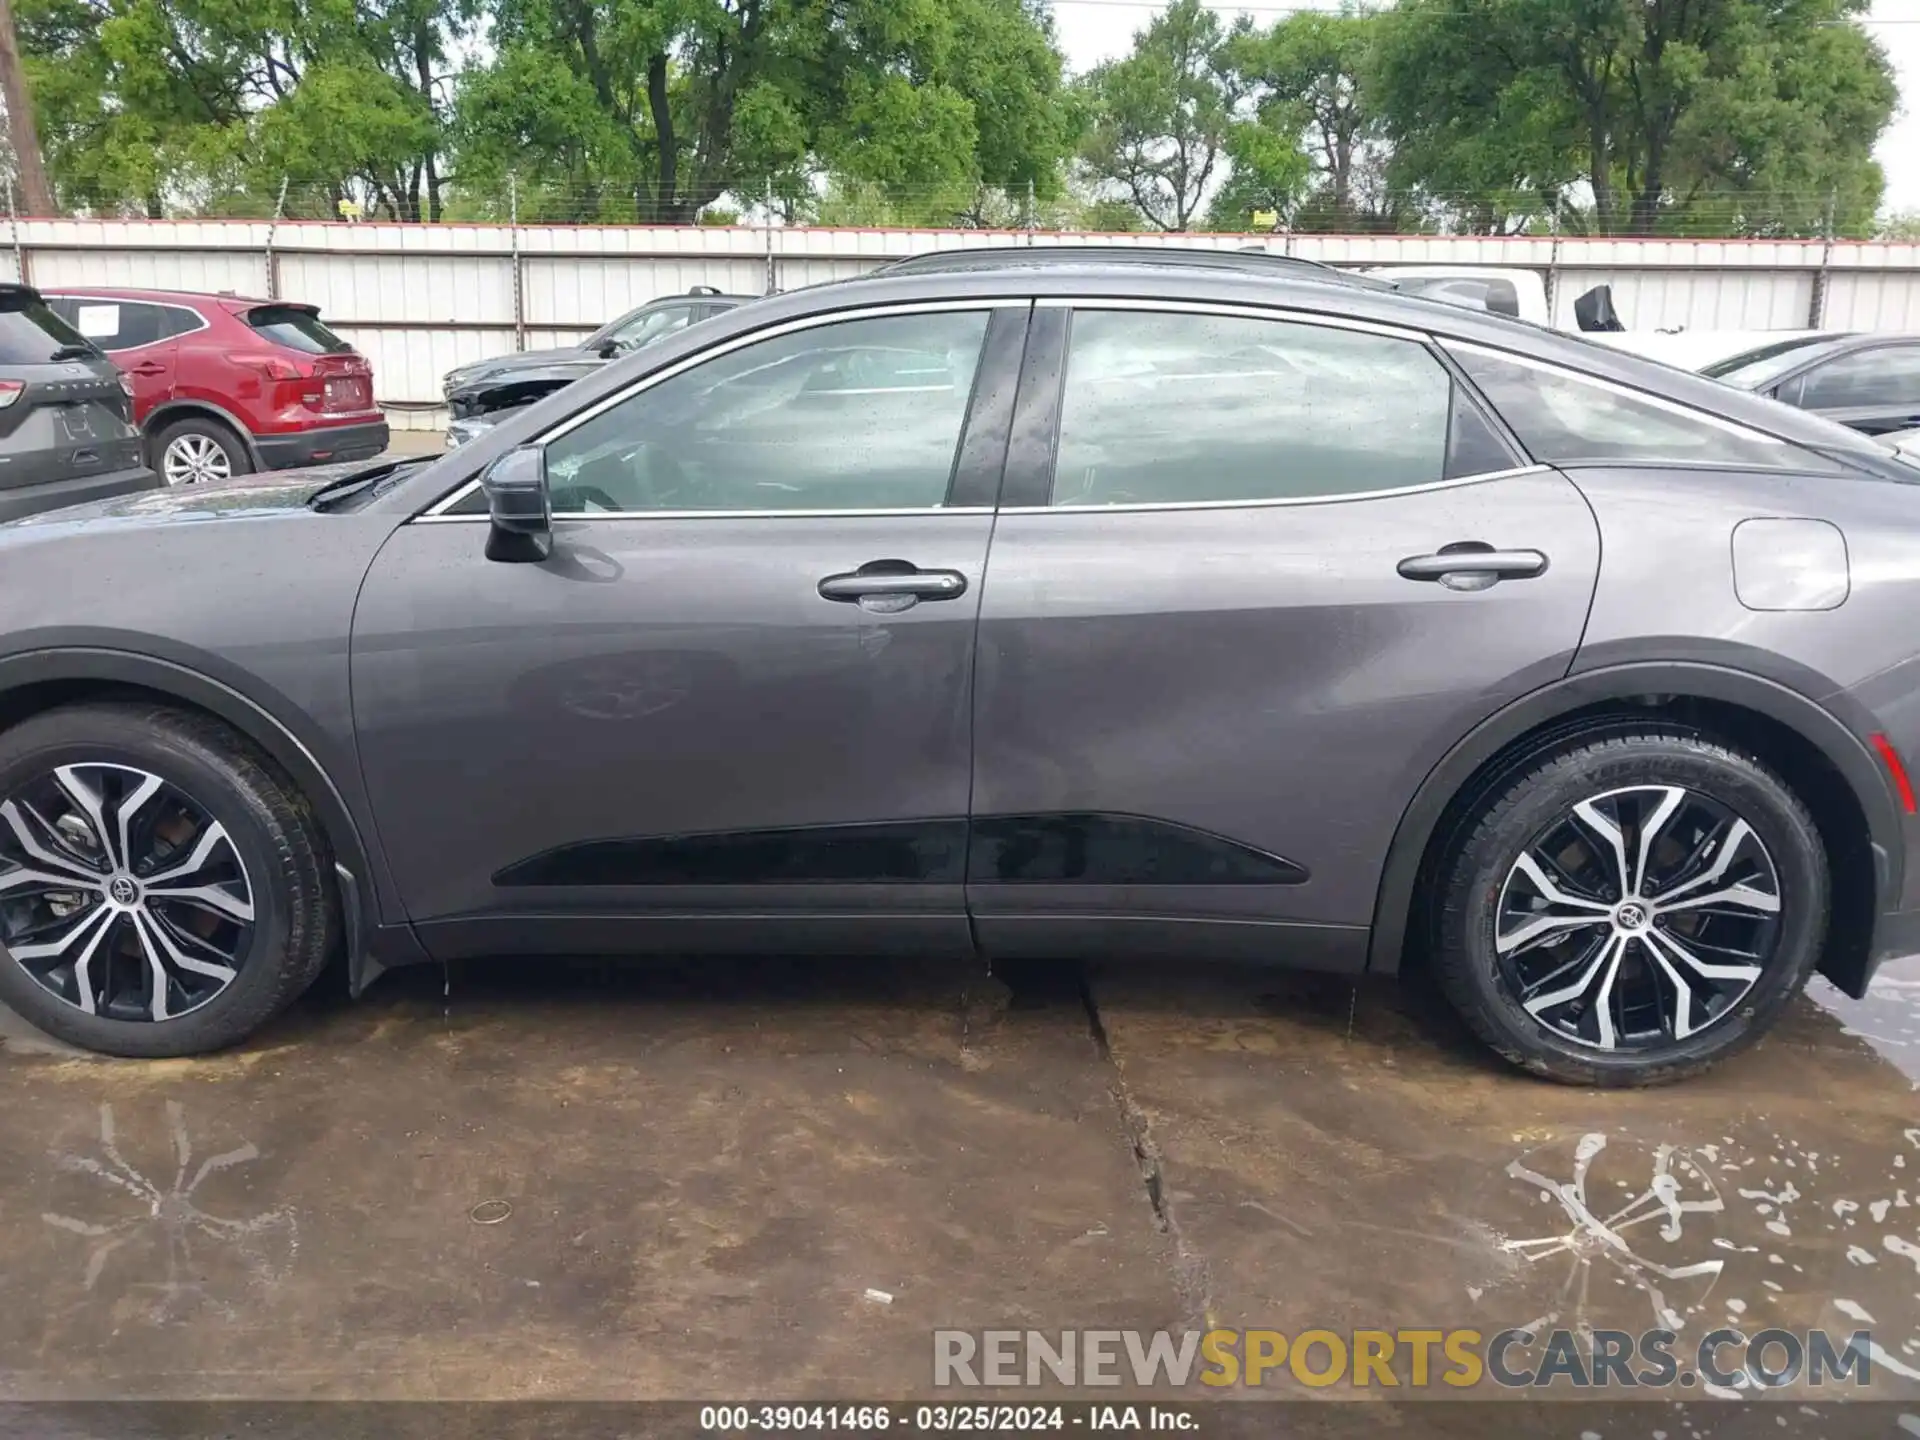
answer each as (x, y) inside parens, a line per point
(212, 104)
(680, 102)
(1636, 116)
(1318, 131)
(1160, 121)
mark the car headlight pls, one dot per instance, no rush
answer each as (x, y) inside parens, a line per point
(459, 432)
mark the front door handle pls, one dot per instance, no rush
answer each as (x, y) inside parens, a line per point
(891, 585)
(1473, 565)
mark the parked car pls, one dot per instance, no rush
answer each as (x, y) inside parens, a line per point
(66, 434)
(1041, 611)
(1869, 381)
(483, 393)
(224, 385)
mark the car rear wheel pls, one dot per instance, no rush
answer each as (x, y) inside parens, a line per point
(1630, 909)
(191, 451)
(162, 890)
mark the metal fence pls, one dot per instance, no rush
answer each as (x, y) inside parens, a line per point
(420, 299)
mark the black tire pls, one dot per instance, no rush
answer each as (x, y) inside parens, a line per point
(239, 460)
(1524, 806)
(287, 871)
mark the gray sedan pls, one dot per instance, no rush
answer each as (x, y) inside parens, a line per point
(1078, 610)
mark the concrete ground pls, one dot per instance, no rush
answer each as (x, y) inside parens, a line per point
(405, 443)
(721, 1179)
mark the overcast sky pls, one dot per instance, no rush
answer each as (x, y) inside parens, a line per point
(1094, 30)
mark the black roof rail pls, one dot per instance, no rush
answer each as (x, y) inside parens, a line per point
(1247, 260)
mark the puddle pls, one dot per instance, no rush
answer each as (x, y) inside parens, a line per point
(1888, 1019)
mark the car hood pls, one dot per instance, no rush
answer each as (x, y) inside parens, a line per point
(501, 365)
(277, 492)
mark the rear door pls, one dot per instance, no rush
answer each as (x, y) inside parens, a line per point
(141, 337)
(1876, 390)
(1217, 650)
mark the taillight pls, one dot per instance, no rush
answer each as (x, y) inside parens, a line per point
(126, 384)
(10, 391)
(1890, 757)
(273, 367)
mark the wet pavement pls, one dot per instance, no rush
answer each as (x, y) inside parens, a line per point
(778, 1179)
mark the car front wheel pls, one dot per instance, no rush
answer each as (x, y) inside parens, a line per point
(1630, 909)
(162, 888)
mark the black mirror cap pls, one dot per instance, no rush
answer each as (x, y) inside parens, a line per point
(519, 506)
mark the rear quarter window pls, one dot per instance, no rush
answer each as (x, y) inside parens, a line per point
(296, 329)
(1564, 418)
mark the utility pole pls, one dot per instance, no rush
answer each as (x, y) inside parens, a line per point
(20, 127)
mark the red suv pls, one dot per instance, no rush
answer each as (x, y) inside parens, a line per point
(224, 385)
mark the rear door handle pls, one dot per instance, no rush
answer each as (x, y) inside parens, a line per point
(893, 585)
(1473, 565)
(147, 368)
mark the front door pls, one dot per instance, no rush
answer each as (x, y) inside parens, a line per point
(1232, 619)
(733, 708)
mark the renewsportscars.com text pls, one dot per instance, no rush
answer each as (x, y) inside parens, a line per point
(1513, 1358)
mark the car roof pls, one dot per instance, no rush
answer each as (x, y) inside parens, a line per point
(1254, 260)
(135, 292)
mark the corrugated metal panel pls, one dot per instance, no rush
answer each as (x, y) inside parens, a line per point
(413, 289)
(791, 273)
(408, 364)
(1694, 299)
(210, 270)
(1873, 300)
(595, 290)
(433, 289)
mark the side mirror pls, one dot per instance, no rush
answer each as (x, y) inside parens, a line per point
(607, 349)
(519, 509)
(1594, 312)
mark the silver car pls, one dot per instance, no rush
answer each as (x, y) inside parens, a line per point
(1174, 611)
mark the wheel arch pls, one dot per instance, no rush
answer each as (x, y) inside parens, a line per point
(1858, 818)
(168, 411)
(38, 681)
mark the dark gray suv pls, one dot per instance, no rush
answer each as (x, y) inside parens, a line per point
(1095, 610)
(66, 431)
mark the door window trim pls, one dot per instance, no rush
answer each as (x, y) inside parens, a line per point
(1279, 315)
(436, 513)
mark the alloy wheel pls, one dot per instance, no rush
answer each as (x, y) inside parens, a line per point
(120, 894)
(1638, 918)
(190, 459)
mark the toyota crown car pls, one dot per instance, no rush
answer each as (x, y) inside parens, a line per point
(65, 414)
(1032, 611)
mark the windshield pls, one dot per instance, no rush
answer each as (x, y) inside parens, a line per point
(1756, 369)
(642, 328)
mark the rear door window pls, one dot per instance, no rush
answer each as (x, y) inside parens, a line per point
(1178, 408)
(296, 329)
(117, 324)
